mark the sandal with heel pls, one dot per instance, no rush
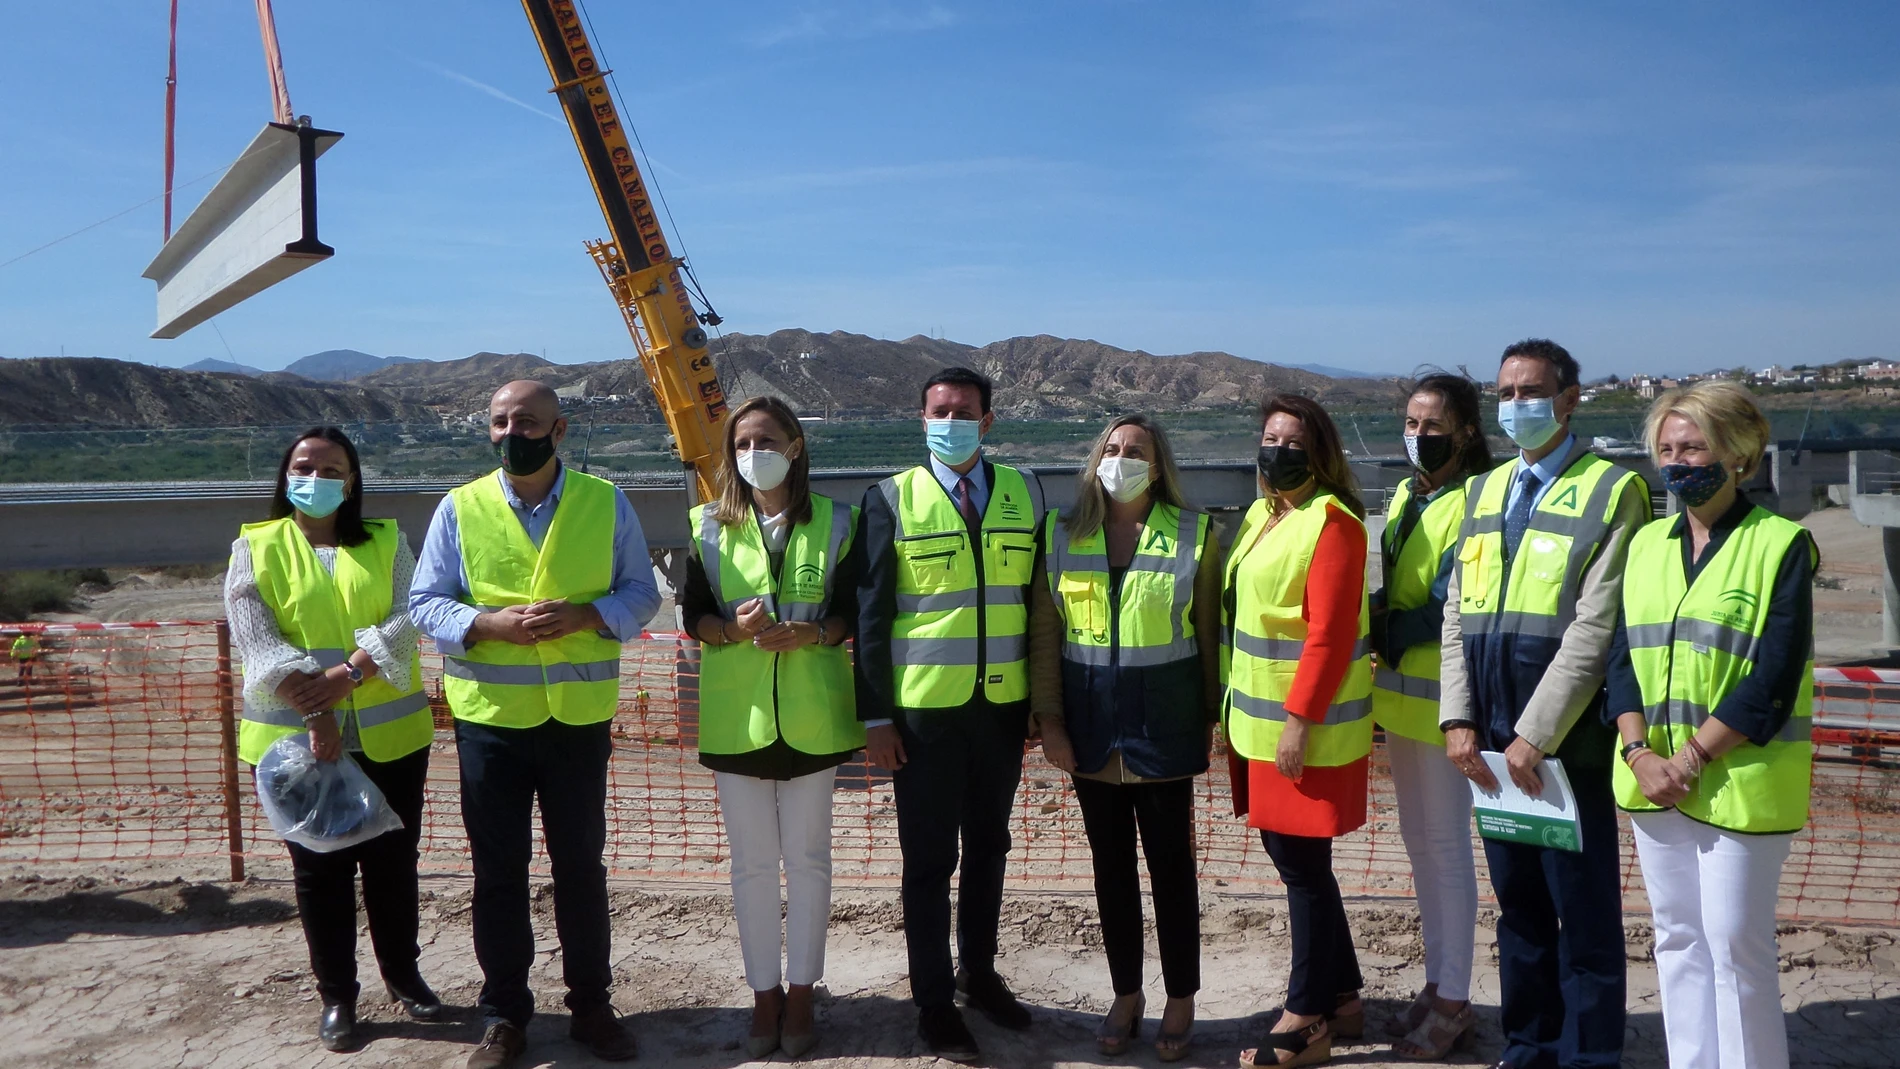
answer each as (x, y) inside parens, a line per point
(1173, 1046)
(1401, 1026)
(1437, 1036)
(1113, 1041)
(1312, 1045)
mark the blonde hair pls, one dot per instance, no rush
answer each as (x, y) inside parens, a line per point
(1726, 414)
(734, 504)
(1085, 517)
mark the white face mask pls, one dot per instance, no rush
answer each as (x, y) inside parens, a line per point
(763, 469)
(1124, 479)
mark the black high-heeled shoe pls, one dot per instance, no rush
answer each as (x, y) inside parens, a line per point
(336, 1028)
(417, 1000)
(1113, 1041)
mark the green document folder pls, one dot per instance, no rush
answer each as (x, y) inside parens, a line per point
(1510, 815)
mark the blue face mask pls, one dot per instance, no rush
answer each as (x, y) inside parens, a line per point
(315, 497)
(1531, 424)
(953, 440)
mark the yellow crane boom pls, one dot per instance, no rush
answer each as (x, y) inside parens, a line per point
(638, 265)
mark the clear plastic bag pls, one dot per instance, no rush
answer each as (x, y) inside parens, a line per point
(320, 805)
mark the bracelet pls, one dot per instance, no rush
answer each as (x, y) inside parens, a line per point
(1702, 755)
(1631, 749)
(1693, 759)
(725, 632)
(308, 717)
(1454, 725)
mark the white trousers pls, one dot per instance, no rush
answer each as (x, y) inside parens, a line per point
(1435, 822)
(769, 821)
(1712, 894)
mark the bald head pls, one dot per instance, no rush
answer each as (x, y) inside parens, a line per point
(526, 408)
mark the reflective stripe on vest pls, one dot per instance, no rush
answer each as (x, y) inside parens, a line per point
(1538, 597)
(1405, 695)
(946, 628)
(1691, 645)
(318, 612)
(749, 697)
(574, 679)
(1265, 634)
(1155, 625)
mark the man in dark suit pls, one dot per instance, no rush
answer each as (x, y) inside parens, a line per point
(943, 689)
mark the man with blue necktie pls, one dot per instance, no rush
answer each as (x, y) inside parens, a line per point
(1529, 615)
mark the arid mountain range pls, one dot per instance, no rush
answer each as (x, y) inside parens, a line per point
(839, 374)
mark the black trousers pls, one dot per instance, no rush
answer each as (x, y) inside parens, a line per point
(1561, 970)
(1325, 965)
(326, 888)
(504, 771)
(959, 780)
(1163, 813)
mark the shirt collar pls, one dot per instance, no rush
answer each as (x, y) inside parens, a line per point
(554, 495)
(948, 475)
(1723, 524)
(1552, 464)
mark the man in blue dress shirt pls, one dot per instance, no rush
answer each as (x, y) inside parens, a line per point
(563, 764)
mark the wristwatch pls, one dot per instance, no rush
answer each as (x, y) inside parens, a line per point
(1454, 725)
(355, 673)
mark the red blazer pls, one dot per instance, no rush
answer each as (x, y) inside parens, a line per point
(1324, 802)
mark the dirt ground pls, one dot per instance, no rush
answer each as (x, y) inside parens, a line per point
(122, 971)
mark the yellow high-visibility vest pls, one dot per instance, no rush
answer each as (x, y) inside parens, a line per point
(1405, 695)
(575, 679)
(749, 697)
(319, 612)
(1265, 634)
(1538, 597)
(1691, 644)
(961, 608)
(1156, 622)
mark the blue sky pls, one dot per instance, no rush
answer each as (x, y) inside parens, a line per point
(1365, 184)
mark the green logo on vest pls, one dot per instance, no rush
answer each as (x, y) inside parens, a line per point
(808, 583)
(1567, 499)
(1747, 599)
(1010, 509)
(1159, 543)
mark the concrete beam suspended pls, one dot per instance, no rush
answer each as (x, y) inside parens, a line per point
(257, 227)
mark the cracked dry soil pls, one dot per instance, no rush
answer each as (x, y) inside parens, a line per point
(129, 972)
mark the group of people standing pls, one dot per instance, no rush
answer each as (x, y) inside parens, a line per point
(1528, 610)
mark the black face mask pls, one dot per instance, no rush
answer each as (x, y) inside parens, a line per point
(1430, 452)
(522, 455)
(1284, 467)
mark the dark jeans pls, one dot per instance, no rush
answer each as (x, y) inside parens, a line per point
(961, 780)
(1560, 941)
(1164, 815)
(504, 770)
(326, 888)
(1325, 965)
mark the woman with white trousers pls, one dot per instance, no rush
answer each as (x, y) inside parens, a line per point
(1444, 439)
(1711, 684)
(770, 588)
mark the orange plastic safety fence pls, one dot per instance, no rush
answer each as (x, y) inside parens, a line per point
(114, 750)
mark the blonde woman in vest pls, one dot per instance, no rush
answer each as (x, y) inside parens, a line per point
(1444, 440)
(770, 592)
(317, 598)
(1125, 688)
(1711, 684)
(1298, 707)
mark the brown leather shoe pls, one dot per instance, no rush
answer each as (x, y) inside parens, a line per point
(500, 1046)
(604, 1034)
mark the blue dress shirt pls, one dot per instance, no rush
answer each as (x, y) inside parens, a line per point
(1547, 469)
(439, 598)
(979, 486)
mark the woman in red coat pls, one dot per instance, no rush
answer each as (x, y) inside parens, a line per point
(1300, 687)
